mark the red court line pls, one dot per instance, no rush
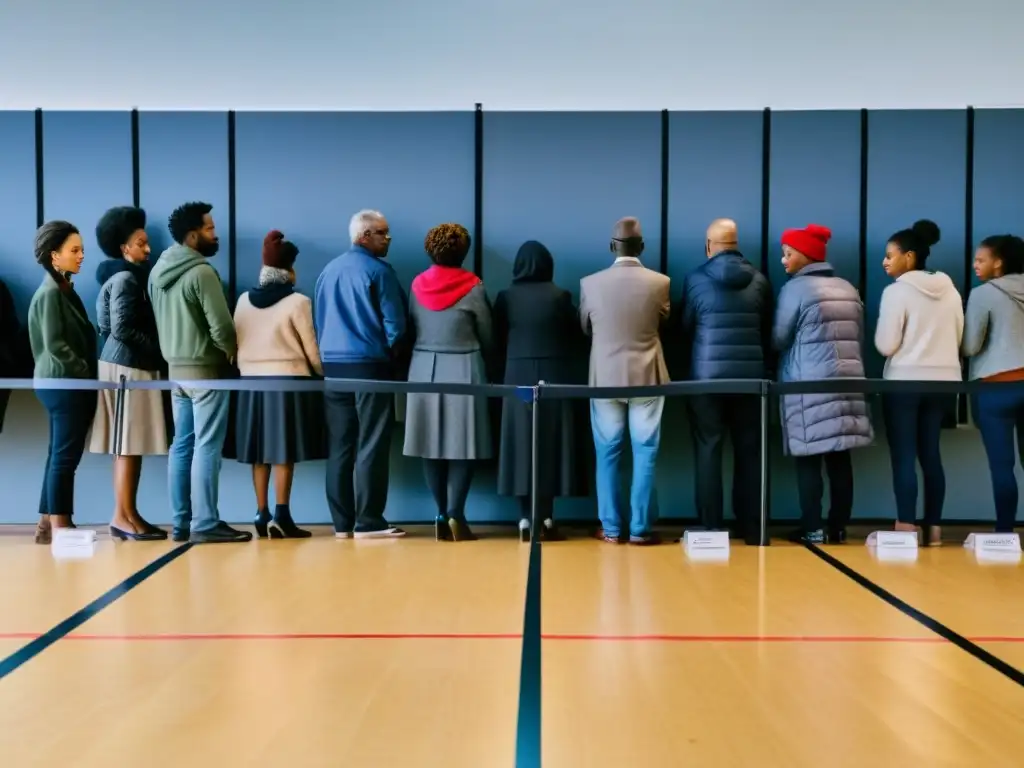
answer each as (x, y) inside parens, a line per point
(666, 638)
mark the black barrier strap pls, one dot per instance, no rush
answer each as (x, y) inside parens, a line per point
(547, 392)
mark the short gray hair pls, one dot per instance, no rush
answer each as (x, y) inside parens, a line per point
(361, 222)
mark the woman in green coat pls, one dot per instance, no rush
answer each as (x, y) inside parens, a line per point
(63, 347)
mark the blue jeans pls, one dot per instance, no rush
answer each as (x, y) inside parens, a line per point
(193, 466)
(71, 413)
(999, 414)
(913, 425)
(610, 421)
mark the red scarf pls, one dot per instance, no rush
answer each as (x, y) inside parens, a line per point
(440, 287)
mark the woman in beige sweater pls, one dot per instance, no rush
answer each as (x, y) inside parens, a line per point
(277, 429)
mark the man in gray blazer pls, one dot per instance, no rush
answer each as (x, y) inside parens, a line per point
(622, 308)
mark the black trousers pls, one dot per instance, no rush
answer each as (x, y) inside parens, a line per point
(711, 418)
(359, 427)
(71, 414)
(448, 481)
(811, 488)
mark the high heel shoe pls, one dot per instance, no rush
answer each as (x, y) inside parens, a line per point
(551, 532)
(442, 531)
(524, 531)
(460, 530)
(123, 535)
(263, 518)
(283, 527)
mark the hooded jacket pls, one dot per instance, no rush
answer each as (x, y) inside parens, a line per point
(124, 316)
(994, 327)
(920, 326)
(727, 312)
(197, 334)
(534, 318)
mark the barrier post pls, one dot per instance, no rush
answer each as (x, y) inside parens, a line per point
(119, 416)
(534, 421)
(763, 539)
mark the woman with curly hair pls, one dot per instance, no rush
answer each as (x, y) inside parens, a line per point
(129, 349)
(450, 320)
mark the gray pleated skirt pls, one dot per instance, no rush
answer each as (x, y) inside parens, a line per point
(447, 426)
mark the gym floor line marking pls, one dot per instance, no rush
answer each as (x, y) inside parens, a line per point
(940, 629)
(553, 636)
(39, 644)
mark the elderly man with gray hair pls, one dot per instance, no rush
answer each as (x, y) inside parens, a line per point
(360, 314)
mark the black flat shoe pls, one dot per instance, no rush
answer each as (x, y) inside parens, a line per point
(222, 534)
(283, 527)
(260, 523)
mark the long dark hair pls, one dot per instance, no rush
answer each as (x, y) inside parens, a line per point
(49, 238)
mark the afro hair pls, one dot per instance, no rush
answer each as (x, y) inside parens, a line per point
(447, 244)
(116, 226)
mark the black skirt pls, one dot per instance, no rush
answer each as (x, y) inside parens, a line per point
(280, 427)
(565, 450)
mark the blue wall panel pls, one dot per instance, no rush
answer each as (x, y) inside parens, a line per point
(714, 171)
(307, 173)
(183, 157)
(815, 178)
(916, 170)
(18, 268)
(87, 169)
(998, 173)
(565, 178)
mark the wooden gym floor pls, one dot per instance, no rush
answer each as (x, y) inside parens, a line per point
(410, 653)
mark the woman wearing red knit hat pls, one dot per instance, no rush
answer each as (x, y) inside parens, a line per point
(818, 332)
(277, 429)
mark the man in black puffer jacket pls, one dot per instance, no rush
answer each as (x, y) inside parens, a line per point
(727, 316)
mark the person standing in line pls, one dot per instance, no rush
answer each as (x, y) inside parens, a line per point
(450, 320)
(129, 347)
(197, 339)
(819, 332)
(727, 312)
(538, 338)
(920, 325)
(993, 330)
(63, 342)
(360, 323)
(622, 308)
(277, 429)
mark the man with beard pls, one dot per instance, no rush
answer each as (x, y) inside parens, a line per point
(197, 339)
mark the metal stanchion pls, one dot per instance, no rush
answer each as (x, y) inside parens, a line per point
(765, 493)
(119, 416)
(534, 421)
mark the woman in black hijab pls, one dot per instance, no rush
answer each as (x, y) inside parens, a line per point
(537, 328)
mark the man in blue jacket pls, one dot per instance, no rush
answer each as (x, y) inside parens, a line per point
(360, 318)
(727, 316)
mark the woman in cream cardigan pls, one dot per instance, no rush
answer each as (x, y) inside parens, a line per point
(277, 429)
(920, 325)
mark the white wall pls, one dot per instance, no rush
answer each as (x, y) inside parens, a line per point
(511, 54)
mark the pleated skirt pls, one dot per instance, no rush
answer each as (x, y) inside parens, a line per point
(280, 427)
(144, 425)
(447, 426)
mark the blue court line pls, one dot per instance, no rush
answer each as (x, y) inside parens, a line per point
(921, 618)
(529, 722)
(73, 622)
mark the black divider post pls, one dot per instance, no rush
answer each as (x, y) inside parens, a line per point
(763, 538)
(535, 420)
(119, 415)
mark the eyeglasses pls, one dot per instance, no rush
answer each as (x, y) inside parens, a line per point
(385, 233)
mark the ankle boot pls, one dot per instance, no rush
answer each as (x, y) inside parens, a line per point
(283, 527)
(260, 523)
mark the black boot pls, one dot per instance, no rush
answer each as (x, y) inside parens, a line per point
(441, 530)
(260, 523)
(283, 527)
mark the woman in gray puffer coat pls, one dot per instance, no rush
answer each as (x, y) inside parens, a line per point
(819, 332)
